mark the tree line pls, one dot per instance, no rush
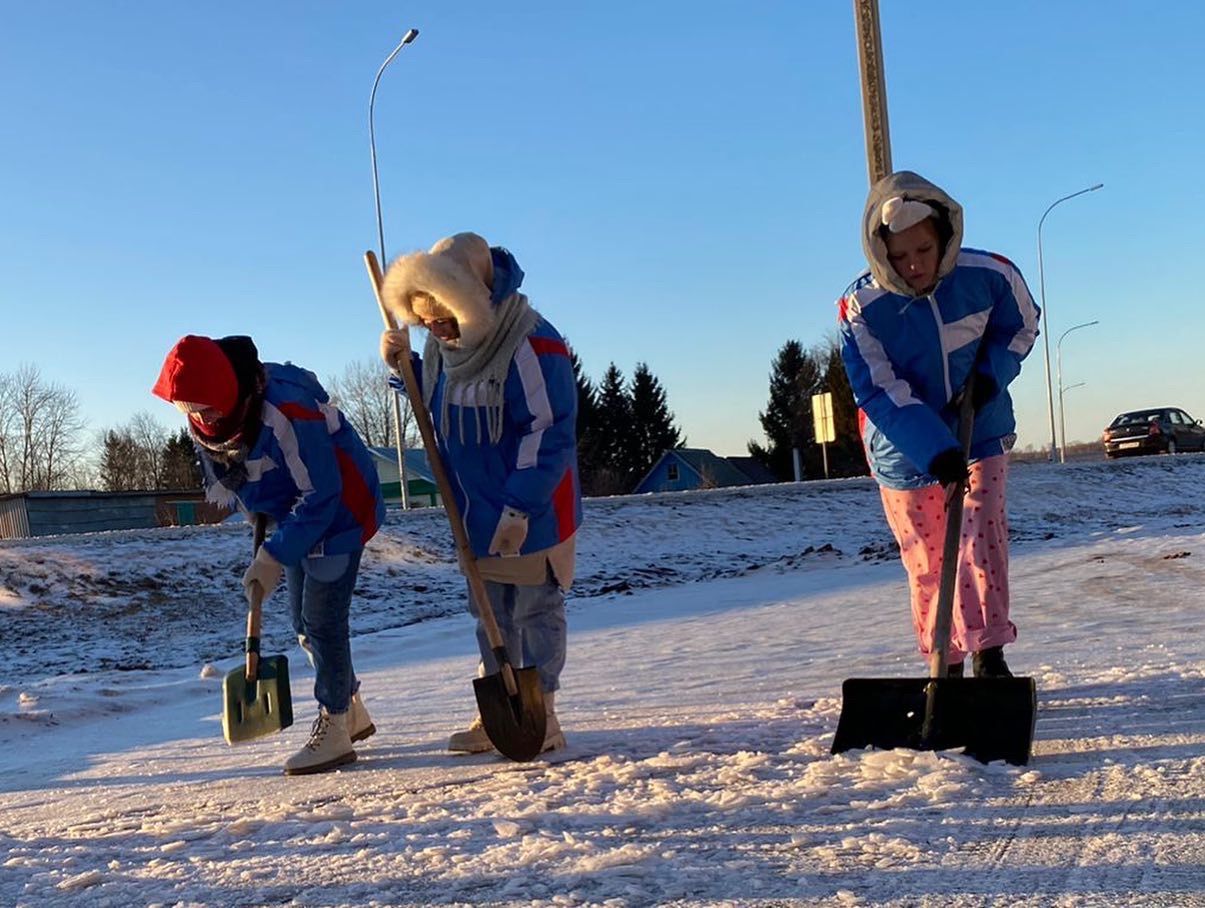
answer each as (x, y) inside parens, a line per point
(624, 426)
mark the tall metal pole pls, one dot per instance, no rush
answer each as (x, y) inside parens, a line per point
(410, 35)
(1058, 356)
(874, 89)
(1046, 318)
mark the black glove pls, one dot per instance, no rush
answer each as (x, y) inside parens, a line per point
(949, 467)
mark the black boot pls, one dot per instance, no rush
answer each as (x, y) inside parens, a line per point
(990, 663)
(954, 670)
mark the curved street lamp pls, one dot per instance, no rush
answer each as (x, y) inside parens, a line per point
(398, 425)
(1058, 352)
(1045, 317)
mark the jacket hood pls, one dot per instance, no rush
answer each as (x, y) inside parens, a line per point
(460, 277)
(911, 187)
(303, 382)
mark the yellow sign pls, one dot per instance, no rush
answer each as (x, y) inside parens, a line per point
(822, 418)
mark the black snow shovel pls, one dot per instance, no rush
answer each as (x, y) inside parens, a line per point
(992, 718)
(510, 701)
(257, 700)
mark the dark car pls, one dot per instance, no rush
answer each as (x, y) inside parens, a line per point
(1160, 430)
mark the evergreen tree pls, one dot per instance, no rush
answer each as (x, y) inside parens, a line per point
(119, 461)
(181, 468)
(654, 431)
(846, 456)
(588, 437)
(787, 420)
(613, 461)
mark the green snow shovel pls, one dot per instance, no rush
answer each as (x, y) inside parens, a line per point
(510, 701)
(256, 698)
(992, 718)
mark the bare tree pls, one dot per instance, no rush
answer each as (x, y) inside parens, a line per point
(150, 439)
(10, 434)
(40, 430)
(363, 394)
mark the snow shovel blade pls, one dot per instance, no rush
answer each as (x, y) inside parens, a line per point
(252, 710)
(992, 718)
(515, 725)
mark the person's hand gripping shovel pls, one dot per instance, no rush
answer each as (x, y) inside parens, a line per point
(511, 701)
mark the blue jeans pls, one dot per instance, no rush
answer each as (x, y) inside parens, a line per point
(320, 599)
(532, 622)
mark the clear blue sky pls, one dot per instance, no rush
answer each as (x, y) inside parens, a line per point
(682, 181)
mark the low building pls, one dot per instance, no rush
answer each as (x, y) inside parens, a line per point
(682, 469)
(27, 514)
(420, 480)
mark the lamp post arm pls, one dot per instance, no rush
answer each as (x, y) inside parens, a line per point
(1058, 353)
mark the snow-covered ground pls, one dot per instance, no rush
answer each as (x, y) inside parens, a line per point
(709, 634)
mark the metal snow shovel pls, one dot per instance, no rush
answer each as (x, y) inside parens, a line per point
(510, 701)
(992, 718)
(257, 700)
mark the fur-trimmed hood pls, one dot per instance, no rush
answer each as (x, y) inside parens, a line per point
(909, 186)
(461, 277)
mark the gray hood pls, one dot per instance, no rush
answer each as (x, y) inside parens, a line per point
(911, 186)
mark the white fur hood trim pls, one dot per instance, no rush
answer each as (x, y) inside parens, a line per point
(457, 275)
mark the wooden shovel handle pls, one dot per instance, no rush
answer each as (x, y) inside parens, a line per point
(951, 549)
(255, 608)
(468, 560)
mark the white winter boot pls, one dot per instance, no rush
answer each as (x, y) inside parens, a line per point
(329, 746)
(359, 723)
(554, 738)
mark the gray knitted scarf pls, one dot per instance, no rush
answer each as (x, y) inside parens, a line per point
(477, 376)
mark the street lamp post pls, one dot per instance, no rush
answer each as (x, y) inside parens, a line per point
(398, 424)
(1045, 317)
(1058, 355)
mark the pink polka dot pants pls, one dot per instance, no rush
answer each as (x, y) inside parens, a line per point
(918, 520)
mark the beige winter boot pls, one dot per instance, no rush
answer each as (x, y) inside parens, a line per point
(554, 738)
(329, 746)
(359, 723)
(473, 740)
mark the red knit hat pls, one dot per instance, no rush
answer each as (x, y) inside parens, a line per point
(198, 372)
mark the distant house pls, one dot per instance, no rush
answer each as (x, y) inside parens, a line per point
(681, 469)
(52, 513)
(757, 471)
(420, 481)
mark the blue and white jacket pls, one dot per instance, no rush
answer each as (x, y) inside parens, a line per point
(908, 356)
(533, 466)
(309, 471)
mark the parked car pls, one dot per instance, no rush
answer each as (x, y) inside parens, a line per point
(1160, 430)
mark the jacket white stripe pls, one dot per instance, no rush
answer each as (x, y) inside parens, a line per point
(331, 413)
(881, 373)
(287, 439)
(966, 330)
(536, 393)
(1023, 340)
(257, 468)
